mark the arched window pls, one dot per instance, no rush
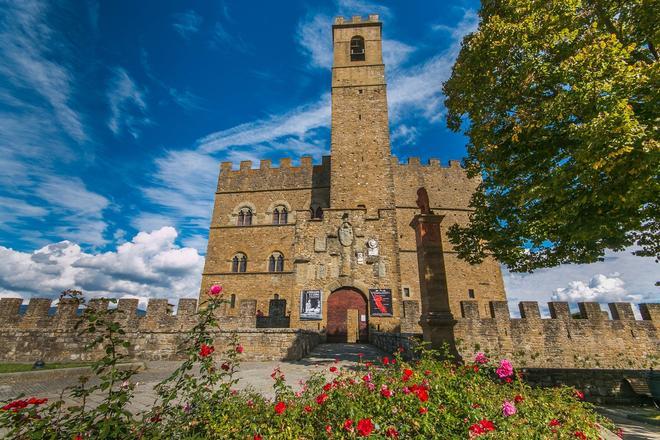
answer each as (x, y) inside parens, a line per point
(357, 48)
(280, 215)
(276, 262)
(239, 263)
(244, 217)
(232, 301)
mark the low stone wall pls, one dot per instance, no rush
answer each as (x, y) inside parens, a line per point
(158, 335)
(598, 385)
(63, 346)
(392, 342)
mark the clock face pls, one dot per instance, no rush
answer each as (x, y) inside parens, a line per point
(372, 243)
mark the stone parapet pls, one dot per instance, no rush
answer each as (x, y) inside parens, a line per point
(590, 339)
(157, 335)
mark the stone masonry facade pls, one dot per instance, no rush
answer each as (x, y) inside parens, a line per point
(347, 222)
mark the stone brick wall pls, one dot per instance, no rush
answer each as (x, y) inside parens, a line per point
(591, 341)
(158, 335)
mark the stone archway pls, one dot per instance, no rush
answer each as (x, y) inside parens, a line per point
(339, 302)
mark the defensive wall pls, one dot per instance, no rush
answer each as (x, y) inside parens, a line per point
(157, 335)
(598, 352)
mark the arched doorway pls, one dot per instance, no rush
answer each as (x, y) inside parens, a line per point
(339, 302)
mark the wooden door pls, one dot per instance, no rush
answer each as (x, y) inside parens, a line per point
(339, 302)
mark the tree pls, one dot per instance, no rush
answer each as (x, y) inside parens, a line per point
(559, 100)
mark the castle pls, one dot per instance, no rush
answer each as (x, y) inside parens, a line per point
(354, 249)
(311, 242)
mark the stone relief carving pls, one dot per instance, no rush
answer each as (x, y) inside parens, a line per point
(346, 235)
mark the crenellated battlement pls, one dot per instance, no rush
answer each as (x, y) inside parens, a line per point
(431, 163)
(285, 163)
(619, 311)
(590, 338)
(39, 314)
(268, 177)
(356, 19)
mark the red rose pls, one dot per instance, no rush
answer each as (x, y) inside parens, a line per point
(423, 410)
(422, 395)
(333, 369)
(280, 407)
(308, 408)
(427, 372)
(78, 437)
(321, 398)
(327, 387)
(580, 435)
(328, 429)
(579, 394)
(386, 360)
(508, 380)
(257, 437)
(225, 366)
(482, 427)
(364, 427)
(386, 393)
(518, 398)
(348, 425)
(476, 405)
(391, 433)
(206, 350)
(554, 422)
(239, 349)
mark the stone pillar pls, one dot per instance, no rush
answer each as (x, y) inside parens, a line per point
(352, 326)
(436, 319)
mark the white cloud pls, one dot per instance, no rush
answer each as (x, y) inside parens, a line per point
(620, 277)
(27, 64)
(296, 122)
(187, 23)
(128, 107)
(600, 288)
(404, 134)
(418, 89)
(150, 265)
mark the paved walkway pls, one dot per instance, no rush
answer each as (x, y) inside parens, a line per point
(256, 375)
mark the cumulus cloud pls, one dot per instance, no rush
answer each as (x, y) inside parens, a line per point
(150, 265)
(601, 288)
(127, 103)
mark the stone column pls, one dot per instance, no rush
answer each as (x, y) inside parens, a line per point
(436, 319)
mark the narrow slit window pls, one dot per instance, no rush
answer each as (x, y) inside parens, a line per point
(471, 293)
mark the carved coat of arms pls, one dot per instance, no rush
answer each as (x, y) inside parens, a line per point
(345, 234)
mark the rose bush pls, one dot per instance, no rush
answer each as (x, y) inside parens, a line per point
(429, 398)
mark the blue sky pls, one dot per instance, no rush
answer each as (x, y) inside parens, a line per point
(114, 117)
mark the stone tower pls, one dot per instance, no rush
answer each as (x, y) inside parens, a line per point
(361, 167)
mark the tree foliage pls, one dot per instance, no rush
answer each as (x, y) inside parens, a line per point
(559, 100)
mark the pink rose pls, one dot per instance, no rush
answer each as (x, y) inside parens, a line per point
(505, 369)
(480, 358)
(508, 408)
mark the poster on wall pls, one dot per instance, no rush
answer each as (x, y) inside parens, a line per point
(380, 302)
(310, 304)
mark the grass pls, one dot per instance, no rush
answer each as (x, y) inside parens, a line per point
(17, 368)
